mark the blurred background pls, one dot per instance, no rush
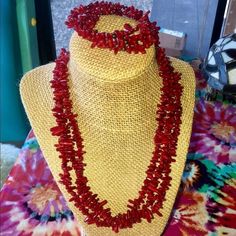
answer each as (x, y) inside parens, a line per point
(32, 33)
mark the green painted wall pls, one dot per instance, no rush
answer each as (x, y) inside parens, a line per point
(14, 124)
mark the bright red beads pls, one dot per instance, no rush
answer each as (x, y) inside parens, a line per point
(84, 19)
(70, 143)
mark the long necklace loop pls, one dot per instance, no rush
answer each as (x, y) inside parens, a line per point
(70, 142)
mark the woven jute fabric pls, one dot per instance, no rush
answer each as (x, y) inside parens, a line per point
(115, 97)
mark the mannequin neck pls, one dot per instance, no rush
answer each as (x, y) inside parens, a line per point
(118, 86)
(123, 106)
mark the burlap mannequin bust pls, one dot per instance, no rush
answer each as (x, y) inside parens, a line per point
(115, 97)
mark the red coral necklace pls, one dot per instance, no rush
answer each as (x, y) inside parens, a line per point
(70, 143)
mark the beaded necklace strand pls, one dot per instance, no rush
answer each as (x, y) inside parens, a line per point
(168, 116)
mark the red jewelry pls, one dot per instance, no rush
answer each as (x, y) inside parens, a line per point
(84, 18)
(70, 143)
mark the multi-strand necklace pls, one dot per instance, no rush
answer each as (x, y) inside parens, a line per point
(70, 146)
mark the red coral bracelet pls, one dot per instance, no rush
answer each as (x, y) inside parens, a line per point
(84, 19)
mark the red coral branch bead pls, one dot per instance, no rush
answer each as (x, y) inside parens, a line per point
(70, 146)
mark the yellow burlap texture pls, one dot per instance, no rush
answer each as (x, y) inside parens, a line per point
(115, 97)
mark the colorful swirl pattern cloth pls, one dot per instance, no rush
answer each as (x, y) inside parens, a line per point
(32, 204)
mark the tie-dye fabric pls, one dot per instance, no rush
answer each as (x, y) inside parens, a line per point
(31, 203)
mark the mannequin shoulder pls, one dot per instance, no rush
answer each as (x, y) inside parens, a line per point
(35, 89)
(188, 79)
(36, 79)
(185, 69)
(180, 64)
